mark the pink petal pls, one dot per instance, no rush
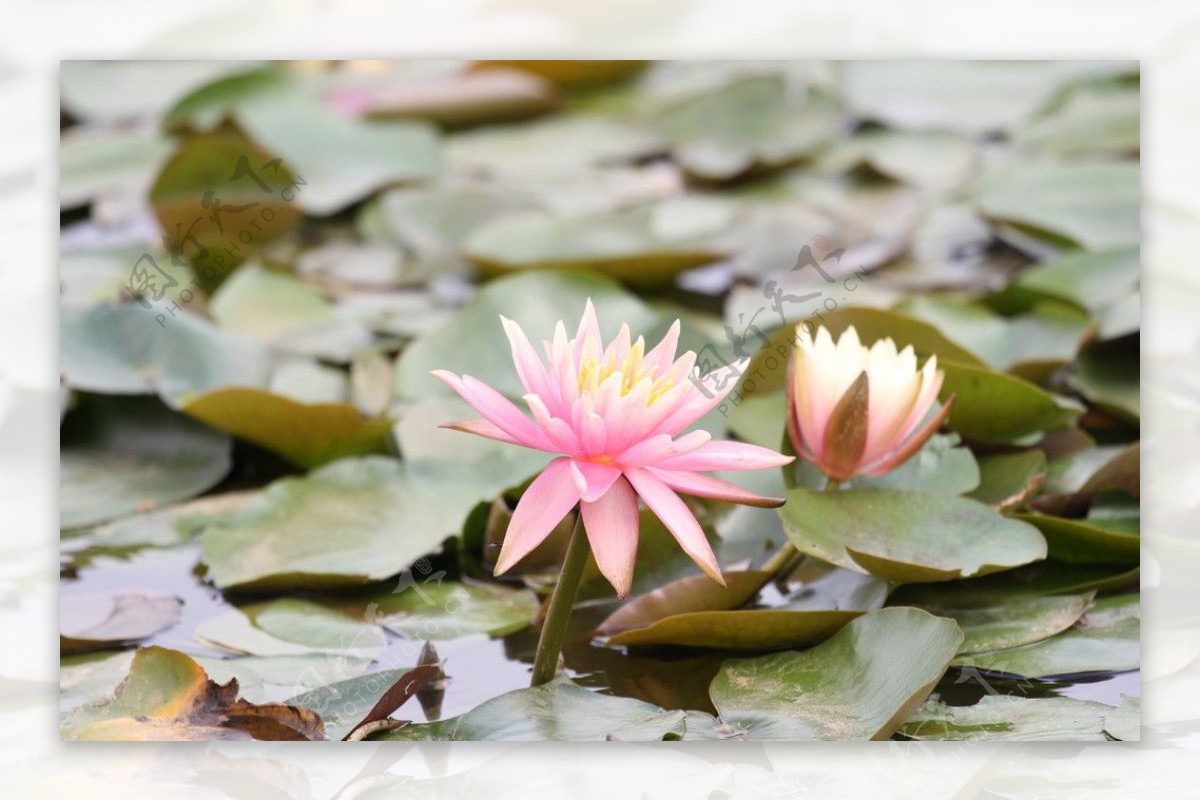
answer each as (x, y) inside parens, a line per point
(612, 530)
(913, 443)
(480, 428)
(712, 487)
(724, 454)
(662, 356)
(543, 506)
(496, 409)
(530, 369)
(662, 446)
(557, 432)
(678, 519)
(593, 479)
(708, 391)
(587, 337)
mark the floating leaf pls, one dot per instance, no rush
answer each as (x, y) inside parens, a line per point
(1031, 581)
(473, 342)
(942, 465)
(560, 710)
(1091, 280)
(352, 521)
(749, 125)
(99, 620)
(174, 525)
(262, 678)
(932, 160)
(740, 629)
(221, 197)
(907, 536)
(1092, 120)
(100, 164)
(1125, 722)
(124, 455)
(995, 407)
(291, 627)
(126, 350)
(448, 610)
(456, 101)
(306, 434)
(1007, 623)
(645, 246)
(999, 717)
(1110, 378)
(167, 696)
(686, 595)
(340, 160)
(1106, 639)
(1093, 205)
(861, 684)
(1010, 479)
(1084, 542)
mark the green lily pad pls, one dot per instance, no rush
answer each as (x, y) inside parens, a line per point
(291, 627)
(995, 407)
(353, 521)
(264, 678)
(645, 246)
(907, 535)
(473, 342)
(1084, 542)
(266, 304)
(1031, 581)
(168, 696)
(1050, 334)
(166, 528)
(749, 125)
(125, 350)
(448, 610)
(1095, 206)
(1008, 623)
(972, 97)
(861, 684)
(108, 163)
(114, 91)
(687, 595)
(1091, 280)
(125, 455)
(97, 621)
(1105, 640)
(1125, 722)
(560, 710)
(942, 465)
(306, 434)
(1110, 378)
(339, 159)
(934, 160)
(1008, 480)
(92, 676)
(219, 199)
(1000, 717)
(740, 629)
(1091, 121)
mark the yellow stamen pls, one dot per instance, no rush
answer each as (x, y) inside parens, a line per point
(632, 371)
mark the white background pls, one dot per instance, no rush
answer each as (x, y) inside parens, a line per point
(35, 34)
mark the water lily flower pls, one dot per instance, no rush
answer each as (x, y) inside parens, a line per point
(616, 414)
(854, 410)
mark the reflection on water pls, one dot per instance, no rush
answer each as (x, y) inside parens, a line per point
(479, 668)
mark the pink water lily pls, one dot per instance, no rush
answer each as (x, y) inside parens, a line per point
(616, 414)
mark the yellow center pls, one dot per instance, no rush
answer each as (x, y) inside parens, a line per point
(631, 369)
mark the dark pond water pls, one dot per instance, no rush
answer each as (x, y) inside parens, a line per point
(479, 667)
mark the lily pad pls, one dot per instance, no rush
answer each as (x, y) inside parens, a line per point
(306, 434)
(1095, 206)
(460, 100)
(267, 305)
(103, 163)
(263, 678)
(291, 627)
(472, 342)
(1125, 722)
(448, 610)
(907, 535)
(999, 717)
(1090, 121)
(687, 595)
(1110, 378)
(740, 629)
(645, 246)
(934, 160)
(340, 160)
(165, 528)
(996, 407)
(1031, 581)
(1084, 542)
(125, 349)
(167, 696)
(97, 621)
(753, 124)
(1008, 623)
(1092, 280)
(353, 521)
(560, 710)
(861, 684)
(1105, 640)
(125, 455)
(1008, 480)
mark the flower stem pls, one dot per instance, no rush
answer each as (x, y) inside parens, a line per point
(554, 627)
